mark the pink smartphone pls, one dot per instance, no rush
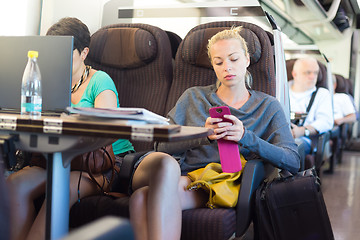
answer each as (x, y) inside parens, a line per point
(228, 150)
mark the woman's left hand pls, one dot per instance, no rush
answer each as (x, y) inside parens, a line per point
(229, 131)
(236, 131)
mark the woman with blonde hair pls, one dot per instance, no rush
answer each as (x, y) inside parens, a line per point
(257, 124)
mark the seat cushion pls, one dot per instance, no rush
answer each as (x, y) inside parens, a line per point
(208, 224)
(94, 207)
(197, 224)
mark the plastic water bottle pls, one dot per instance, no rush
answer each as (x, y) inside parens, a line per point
(31, 98)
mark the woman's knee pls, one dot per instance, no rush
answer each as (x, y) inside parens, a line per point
(162, 163)
(28, 182)
(138, 199)
(156, 166)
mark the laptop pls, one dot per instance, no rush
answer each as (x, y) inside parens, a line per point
(55, 63)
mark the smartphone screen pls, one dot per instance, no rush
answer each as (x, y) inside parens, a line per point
(228, 150)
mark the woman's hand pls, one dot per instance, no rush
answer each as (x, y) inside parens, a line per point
(232, 131)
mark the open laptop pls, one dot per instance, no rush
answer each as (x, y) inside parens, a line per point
(55, 63)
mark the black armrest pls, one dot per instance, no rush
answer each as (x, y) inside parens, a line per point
(336, 142)
(8, 150)
(126, 171)
(346, 132)
(319, 157)
(349, 130)
(335, 132)
(106, 228)
(255, 172)
(301, 151)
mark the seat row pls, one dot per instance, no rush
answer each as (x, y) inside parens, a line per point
(139, 58)
(329, 144)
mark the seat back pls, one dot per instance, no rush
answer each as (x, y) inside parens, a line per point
(322, 76)
(193, 68)
(175, 41)
(351, 86)
(204, 223)
(138, 58)
(342, 85)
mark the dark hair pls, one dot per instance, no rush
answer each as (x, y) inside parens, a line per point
(72, 27)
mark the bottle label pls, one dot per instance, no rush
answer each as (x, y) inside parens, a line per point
(31, 104)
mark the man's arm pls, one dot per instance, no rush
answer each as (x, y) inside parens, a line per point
(350, 118)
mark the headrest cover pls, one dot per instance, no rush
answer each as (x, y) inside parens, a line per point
(195, 46)
(123, 47)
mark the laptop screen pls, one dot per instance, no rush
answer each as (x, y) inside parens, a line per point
(55, 63)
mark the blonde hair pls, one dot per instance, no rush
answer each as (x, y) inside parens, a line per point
(232, 33)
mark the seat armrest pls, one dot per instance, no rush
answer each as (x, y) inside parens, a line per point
(128, 164)
(301, 151)
(121, 184)
(335, 132)
(254, 173)
(319, 157)
(345, 131)
(349, 130)
(106, 228)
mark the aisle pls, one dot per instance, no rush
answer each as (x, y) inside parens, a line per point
(341, 192)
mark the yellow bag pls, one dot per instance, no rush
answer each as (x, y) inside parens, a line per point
(223, 188)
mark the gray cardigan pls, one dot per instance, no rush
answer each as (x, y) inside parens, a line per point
(267, 133)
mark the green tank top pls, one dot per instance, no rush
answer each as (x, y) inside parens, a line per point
(98, 83)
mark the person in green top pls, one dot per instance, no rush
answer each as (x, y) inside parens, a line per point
(90, 88)
(100, 85)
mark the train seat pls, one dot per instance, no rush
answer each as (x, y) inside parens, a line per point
(193, 68)
(343, 85)
(323, 145)
(340, 135)
(262, 67)
(175, 41)
(138, 57)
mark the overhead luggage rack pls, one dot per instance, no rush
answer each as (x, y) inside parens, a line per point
(318, 20)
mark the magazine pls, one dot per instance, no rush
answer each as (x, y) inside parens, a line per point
(138, 114)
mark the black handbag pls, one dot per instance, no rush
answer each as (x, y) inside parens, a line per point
(292, 207)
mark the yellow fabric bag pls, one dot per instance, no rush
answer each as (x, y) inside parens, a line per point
(223, 188)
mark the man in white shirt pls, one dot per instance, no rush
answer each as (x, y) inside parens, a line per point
(320, 116)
